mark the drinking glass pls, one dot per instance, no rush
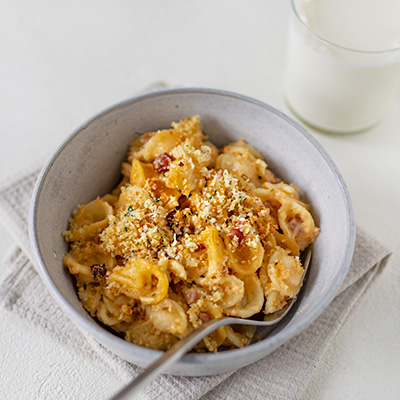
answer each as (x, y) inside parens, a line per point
(334, 88)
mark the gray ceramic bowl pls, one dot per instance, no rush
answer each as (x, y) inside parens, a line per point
(88, 163)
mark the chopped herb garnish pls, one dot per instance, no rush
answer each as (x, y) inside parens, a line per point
(211, 197)
(156, 199)
(126, 229)
(163, 174)
(240, 199)
(215, 191)
(190, 195)
(129, 213)
(84, 286)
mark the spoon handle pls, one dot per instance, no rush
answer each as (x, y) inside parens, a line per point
(178, 350)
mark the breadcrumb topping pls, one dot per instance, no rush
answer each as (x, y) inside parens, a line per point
(191, 233)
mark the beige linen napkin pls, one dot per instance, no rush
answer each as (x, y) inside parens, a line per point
(283, 374)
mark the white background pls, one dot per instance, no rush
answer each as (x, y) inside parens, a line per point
(61, 62)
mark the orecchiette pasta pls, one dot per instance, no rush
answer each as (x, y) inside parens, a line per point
(232, 291)
(252, 301)
(168, 316)
(141, 280)
(190, 233)
(240, 335)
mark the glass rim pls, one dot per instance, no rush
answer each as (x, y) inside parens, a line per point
(365, 52)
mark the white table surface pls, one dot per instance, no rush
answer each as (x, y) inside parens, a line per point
(61, 62)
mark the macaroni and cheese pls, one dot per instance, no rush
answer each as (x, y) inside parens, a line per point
(191, 233)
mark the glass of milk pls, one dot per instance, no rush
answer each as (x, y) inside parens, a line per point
(343, 62)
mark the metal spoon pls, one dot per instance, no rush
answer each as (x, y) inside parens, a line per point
(179, 349)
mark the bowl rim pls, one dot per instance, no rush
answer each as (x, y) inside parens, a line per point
(193, 358)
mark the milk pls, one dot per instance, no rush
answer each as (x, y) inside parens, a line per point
(343, 62)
